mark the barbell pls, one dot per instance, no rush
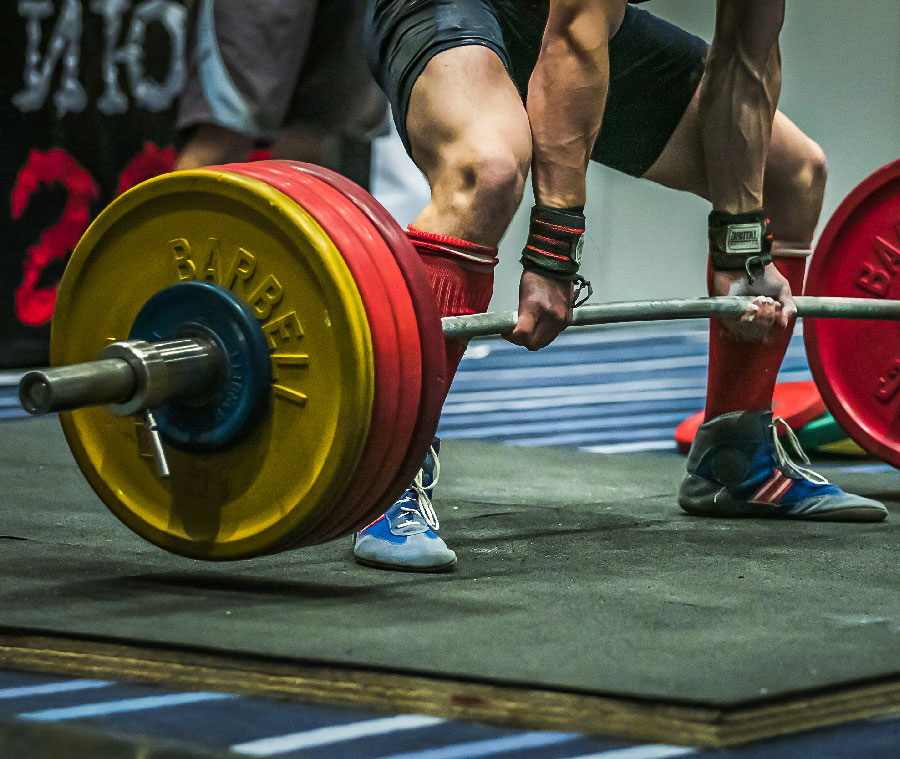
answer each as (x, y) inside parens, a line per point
(249, 358)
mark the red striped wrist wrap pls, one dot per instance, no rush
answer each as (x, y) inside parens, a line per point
(555, 239)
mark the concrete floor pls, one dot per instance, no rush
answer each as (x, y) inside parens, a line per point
(576, 571)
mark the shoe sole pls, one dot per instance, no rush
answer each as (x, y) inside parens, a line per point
(448, 567)
(849, 514)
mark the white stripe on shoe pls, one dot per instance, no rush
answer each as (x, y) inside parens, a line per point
(772, 482)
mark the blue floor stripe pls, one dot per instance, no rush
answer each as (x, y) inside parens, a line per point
(491, 747)
(47, 689)
(106, 708)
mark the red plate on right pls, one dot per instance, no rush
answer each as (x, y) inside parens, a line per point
(857, 363)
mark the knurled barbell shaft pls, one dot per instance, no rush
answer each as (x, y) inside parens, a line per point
(499, 323)
(133, 376)
(129, 377)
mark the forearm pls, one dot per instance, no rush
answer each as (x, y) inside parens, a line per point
(738, 98)
(566, 97)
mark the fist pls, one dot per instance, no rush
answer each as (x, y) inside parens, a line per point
(773, 305)
(545, 310)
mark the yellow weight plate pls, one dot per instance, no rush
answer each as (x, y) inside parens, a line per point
(244, 235)
(845, 447)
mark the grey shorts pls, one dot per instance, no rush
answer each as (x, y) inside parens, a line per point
(258, 66)
(655, 67)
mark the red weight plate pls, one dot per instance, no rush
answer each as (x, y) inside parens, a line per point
(857, 363)
(798, 403)
(398, 371)
(434, 368)
(388, 441)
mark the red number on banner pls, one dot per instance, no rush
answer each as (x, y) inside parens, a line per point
(33, 304)
(150, 162)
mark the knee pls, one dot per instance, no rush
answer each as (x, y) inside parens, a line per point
(794, 192)
(495, 179)
(811, 173)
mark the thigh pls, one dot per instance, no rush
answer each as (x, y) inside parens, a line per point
(465, 110)
(682, 166)
(403, 37)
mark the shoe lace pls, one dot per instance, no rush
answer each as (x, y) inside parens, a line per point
(785, 461)
(419, 495)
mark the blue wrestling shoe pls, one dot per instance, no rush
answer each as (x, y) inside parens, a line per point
(404, 537)
(738, 467)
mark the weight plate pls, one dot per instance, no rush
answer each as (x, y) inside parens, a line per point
(434, 368)
(819, 432)
(240, 396)
(857, 363)
(798, 403)
(243, 235)
(845, 447)
(397, 359)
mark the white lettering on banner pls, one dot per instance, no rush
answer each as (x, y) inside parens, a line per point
(113, 100)
(65, 44)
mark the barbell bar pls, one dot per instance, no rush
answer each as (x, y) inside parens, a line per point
(132, 376)
(810, 307)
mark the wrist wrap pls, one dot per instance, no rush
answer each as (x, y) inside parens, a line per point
(740, 242)
(553, 249)
(555, 239)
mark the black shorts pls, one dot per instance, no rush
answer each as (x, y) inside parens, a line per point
(655, 67)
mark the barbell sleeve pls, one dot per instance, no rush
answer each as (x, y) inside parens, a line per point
(499, 323)
(127, 378)
(91, 384)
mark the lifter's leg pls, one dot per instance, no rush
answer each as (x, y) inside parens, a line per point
(732, 148)
(470, 136)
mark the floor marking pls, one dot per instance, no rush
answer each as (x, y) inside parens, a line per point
(593, 394)
(650, 751)
(530, 374)
(557, 426)
(879, 467)
(613, 437)
(324, 736)
(47, 689)
(642, 445)
(120, 707)
(533, 373)
(489, 747)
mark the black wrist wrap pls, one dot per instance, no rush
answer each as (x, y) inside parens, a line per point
(554, 243)
(740, 242)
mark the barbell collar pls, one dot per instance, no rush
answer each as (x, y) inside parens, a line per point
(500, 323)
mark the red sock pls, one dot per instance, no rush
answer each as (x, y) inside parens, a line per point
(462, 277)
(742, 374)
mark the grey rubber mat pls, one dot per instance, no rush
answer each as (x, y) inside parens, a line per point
(576, 571)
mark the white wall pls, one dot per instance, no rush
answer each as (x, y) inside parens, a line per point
(841, 85)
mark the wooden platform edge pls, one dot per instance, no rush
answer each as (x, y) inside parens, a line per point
(507, 704)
